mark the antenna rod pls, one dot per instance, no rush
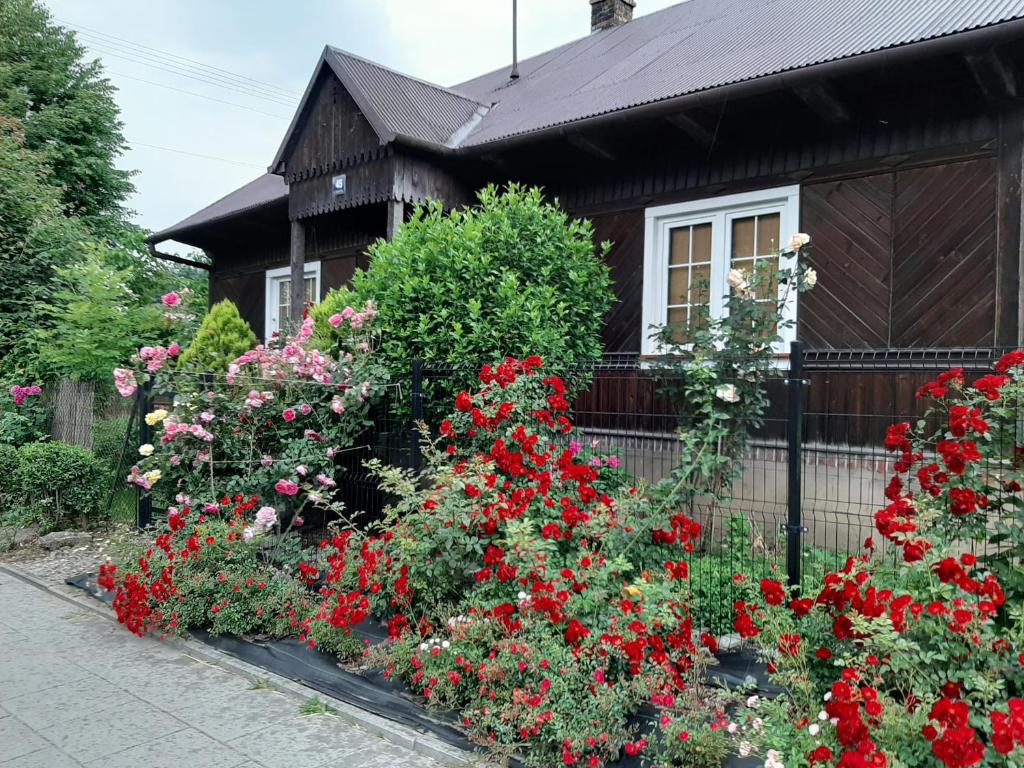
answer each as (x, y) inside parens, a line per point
(515, 55)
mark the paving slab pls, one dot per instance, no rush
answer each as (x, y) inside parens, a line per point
(77, 690)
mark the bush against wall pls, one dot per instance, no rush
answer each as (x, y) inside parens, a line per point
(511, 276)
(223, 336)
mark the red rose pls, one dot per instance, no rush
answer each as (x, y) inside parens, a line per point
(773, 591)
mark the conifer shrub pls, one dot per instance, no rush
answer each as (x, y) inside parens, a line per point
(223, 336)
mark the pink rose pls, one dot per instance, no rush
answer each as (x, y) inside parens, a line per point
(286, 487)
(171, 299)
(613, 462)
(174, 349)
(289, 414)
(334, 320)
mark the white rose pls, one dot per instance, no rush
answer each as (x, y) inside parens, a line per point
(745, 748)
(728, 393)
(445, 644)
(813, 729)
(811, 278)
(736, 278)
(823, 715)
(798, 241)
(146, 450)
(753, 701)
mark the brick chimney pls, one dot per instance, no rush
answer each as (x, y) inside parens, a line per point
(605, 14)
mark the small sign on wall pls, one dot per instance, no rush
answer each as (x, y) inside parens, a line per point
(338, 185)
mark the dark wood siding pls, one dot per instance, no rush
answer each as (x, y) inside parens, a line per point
(334, 134)
(625, 230)
(904, 259)
(850, 223)
(944, 277)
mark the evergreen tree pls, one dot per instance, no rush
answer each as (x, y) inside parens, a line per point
(223, 336)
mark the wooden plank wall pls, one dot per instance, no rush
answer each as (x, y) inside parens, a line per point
(904, 259)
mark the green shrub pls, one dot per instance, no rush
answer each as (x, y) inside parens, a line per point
(8, 465)
(512, 276)
(222, 337)
(55, 484)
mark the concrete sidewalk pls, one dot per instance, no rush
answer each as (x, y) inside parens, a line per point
(78, 690)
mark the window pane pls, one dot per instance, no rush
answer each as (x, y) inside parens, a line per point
(678, 284)
(700, 284)
(701, 243)
(767, 234)
(743, 237)
(679, 248)
(677, 319)
(768, 286)
(310, 285)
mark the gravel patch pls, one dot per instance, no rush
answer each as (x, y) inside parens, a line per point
(56, 566)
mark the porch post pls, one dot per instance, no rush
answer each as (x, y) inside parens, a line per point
(396, 214)
(298, 282)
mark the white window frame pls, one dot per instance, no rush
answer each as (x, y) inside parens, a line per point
(271, 323)
(719, 211)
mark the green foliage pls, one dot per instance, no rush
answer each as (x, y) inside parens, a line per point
(9, 461)
(512, 276)
(20, 424)
(222, 337)
(96, 323)
(35, 238)
(67, 108)
(56, 484)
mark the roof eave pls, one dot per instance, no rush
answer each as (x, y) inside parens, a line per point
(175, 232)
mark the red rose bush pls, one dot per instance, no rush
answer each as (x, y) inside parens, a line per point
(910, 654)
(543, 609)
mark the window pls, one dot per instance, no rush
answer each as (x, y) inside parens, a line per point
(690, 247)
(279, 297)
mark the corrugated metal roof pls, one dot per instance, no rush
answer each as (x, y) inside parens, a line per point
(703, 44)
(405, 105)
(695, 46)
(261, 191)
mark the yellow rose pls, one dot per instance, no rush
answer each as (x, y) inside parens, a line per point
(631, 591)
(156, 417)
(152, 476)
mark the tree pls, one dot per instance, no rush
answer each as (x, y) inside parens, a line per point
(223, 336)
(513, 276)
(35, 239)
(97, 321)
(67, 110)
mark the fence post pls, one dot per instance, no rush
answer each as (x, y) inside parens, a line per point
(794, 527)
(143, 399)
(416, 459)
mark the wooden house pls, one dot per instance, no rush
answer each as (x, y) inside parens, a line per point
(695, 138)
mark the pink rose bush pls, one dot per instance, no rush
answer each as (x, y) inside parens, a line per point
(271, 426)
(20, 393)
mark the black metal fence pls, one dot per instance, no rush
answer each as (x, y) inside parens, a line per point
(814, 471)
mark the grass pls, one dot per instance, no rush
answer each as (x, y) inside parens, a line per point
(313, 706)
(259, 684)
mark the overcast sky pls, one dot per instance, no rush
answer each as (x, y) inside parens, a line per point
(177, 63)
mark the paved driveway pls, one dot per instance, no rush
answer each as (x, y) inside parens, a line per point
(77, 690)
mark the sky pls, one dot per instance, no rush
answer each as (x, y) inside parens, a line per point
(207, 88)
